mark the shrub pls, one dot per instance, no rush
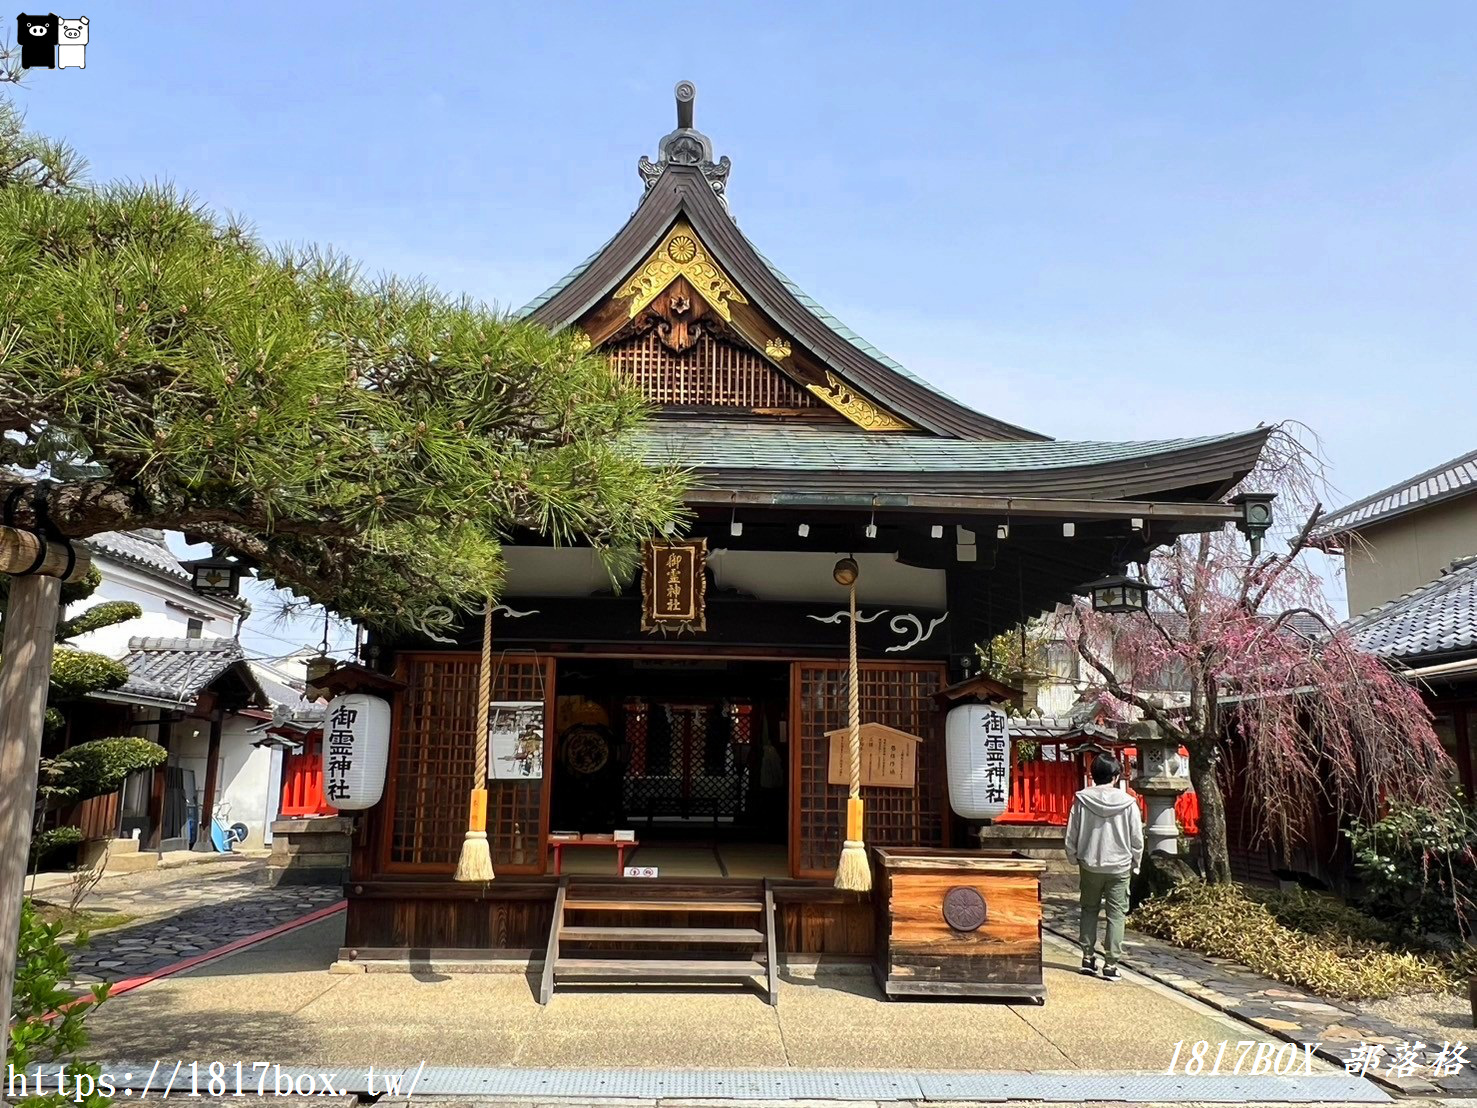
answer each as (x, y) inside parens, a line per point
(1324, 915)
(1225, 922)
(42, 970)
(1418, 868)
(76, 673)
(52, 840)
(96, 768)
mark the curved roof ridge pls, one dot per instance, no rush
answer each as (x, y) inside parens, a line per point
(560, 285)
(683, 192)
(784, 454)
(1454, 576)
(842, 331)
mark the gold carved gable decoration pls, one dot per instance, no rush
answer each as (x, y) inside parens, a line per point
(681, 254)
(674, 585)
(857, 408)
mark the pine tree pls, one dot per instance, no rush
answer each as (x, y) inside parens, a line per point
(368, 444)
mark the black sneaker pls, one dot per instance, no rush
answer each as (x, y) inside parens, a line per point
(1089, 964)
(1110, 973)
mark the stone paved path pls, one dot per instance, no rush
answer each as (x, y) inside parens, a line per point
(190, 912)
(1283, 1010)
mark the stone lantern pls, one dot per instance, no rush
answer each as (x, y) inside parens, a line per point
(1162, 777)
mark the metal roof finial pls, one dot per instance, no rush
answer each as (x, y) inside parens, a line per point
(686, 93)
(686, 146)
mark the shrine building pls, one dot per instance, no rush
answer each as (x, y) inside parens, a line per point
(682, 721)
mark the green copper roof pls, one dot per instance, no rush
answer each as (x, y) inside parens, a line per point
(845, 333)
(753, 445)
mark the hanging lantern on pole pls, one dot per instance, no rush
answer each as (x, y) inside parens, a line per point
(1118, 594)
(977, 739)
(356, 751)
(853, 871)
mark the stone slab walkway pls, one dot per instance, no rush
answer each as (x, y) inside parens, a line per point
(186, 913)
(1402, 1062)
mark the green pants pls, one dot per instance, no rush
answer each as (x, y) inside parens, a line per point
(1095, 889)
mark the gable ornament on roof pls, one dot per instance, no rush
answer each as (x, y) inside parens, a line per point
(857, 408)
(681, 254)
(686, 146)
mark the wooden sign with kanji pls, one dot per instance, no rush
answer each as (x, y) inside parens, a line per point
(889, 757)
(674, 585)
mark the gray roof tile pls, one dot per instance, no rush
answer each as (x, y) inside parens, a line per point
(146, 549)
(1454, 478)
(178, 670)
(1438, 618)
(739, 445)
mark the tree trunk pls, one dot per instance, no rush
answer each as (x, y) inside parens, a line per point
(25, 673)
(1204, 759)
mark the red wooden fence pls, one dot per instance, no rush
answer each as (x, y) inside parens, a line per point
(302, 783)
(1041, 792)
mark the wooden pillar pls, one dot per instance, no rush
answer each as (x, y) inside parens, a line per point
(964, 626)
(158, 786)
(25, 675)
(212, 757)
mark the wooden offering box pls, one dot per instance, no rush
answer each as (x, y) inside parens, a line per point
(958, 923)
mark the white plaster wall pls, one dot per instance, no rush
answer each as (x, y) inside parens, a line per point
(122, 581)
(1400, 555)
(797, 576)
(189, 748)
(247, 781)
(557, 571)
(805, 576)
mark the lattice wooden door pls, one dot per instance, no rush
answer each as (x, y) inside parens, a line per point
(689, 762)
(893, 693)
(431, 766)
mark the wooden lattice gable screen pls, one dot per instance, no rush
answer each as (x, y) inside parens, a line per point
(712, 373)
(896, 694)
(432, 766)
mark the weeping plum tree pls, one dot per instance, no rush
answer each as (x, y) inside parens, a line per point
(1240, 660)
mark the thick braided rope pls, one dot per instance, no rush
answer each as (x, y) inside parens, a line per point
(484, 698)
(853, 706)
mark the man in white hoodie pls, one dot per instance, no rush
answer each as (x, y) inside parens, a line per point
(1105, 840)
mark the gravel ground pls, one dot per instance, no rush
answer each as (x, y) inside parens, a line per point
(1433, 1017)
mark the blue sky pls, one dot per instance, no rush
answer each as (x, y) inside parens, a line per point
(1096, 220)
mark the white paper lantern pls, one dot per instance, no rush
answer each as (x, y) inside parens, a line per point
(356, 750)
(978, 740)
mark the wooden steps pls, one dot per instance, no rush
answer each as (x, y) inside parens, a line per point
(628, 905)
(652, 937)
(656, 969)
(743, 936)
